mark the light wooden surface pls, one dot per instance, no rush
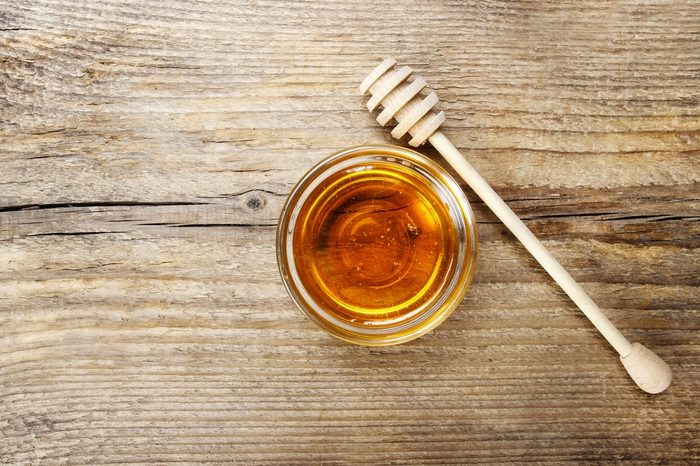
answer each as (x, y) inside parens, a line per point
(146, 148)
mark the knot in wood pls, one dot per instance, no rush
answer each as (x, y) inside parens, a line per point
(255, 202)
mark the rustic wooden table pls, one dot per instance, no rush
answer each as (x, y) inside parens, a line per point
(146, 148)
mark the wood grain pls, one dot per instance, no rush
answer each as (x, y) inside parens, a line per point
(146, 148)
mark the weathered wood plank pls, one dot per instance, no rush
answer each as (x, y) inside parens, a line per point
(147, 147)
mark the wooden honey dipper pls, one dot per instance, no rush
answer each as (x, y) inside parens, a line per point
(402, 102)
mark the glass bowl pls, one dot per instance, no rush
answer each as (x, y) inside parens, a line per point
(377, 245)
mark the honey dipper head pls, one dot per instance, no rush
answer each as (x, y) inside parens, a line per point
(401, 101)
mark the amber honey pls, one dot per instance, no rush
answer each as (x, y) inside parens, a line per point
(377, 244)
(371, 246)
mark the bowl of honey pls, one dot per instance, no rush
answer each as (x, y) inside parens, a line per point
(377, 244)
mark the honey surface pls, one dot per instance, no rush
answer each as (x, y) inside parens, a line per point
(375, 244)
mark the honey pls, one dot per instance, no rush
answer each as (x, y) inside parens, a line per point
(377, 245)
(372, 246)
